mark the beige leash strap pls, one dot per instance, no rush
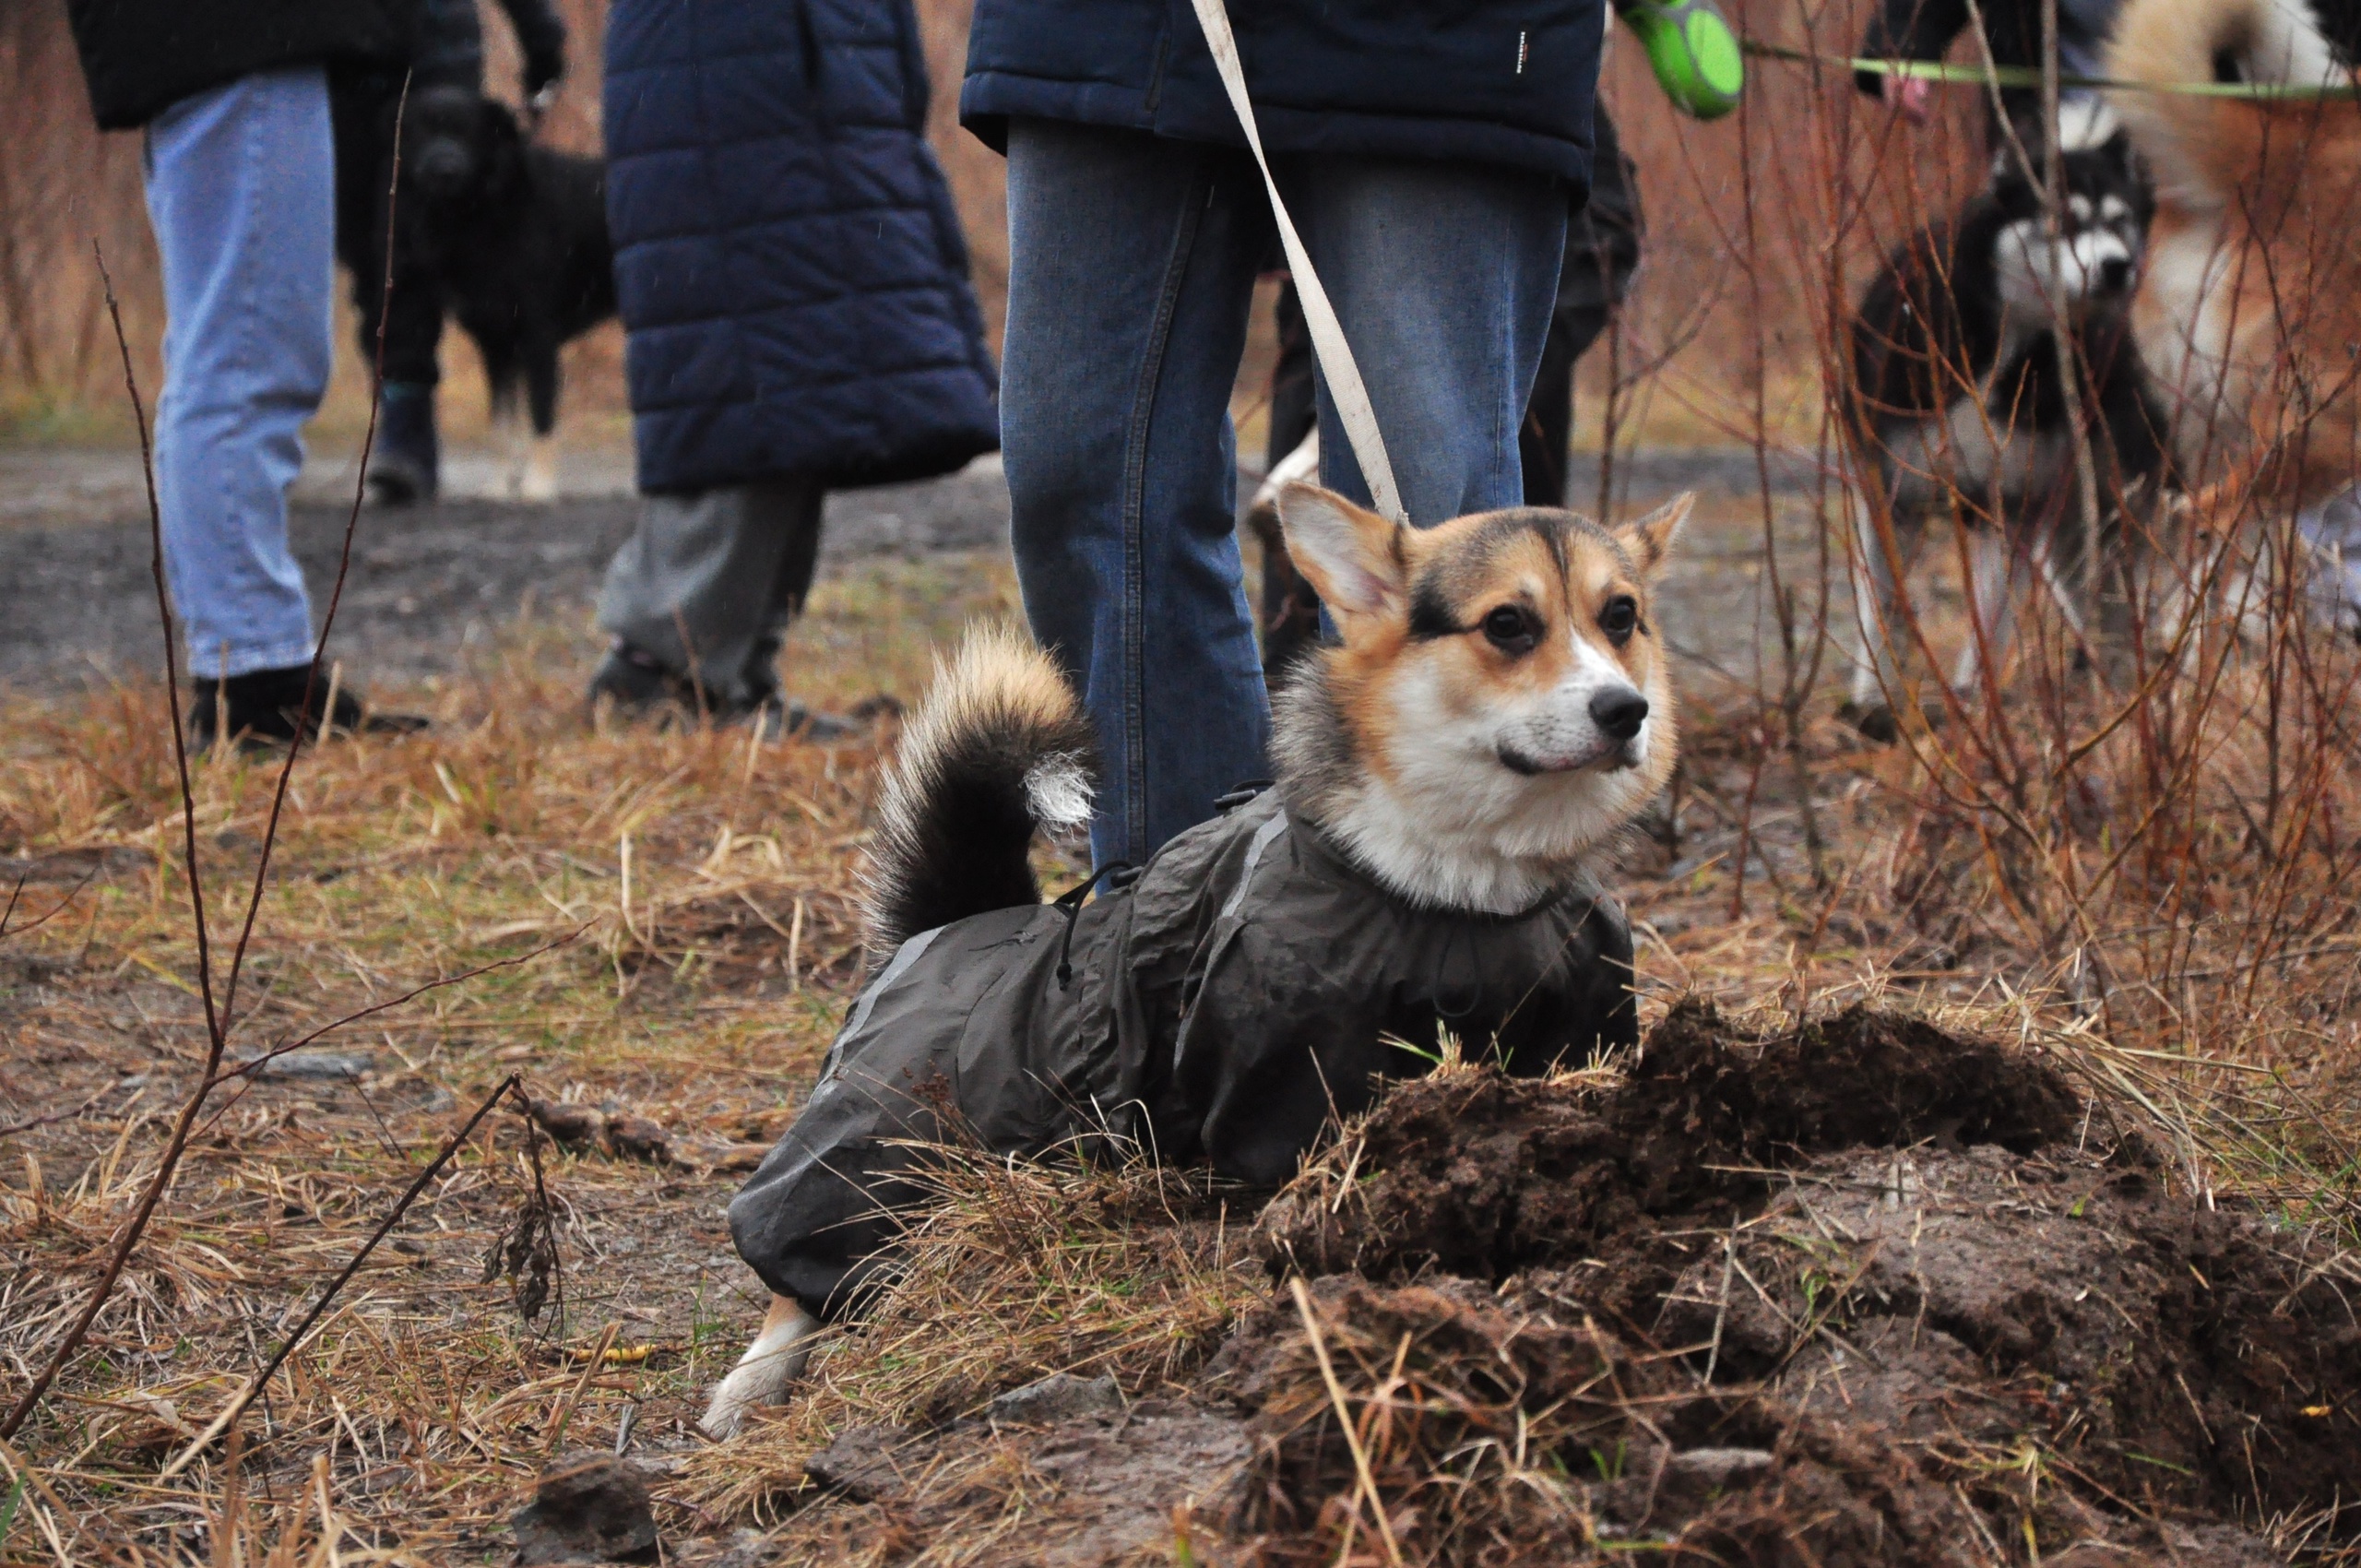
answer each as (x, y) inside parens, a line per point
(1336, 355)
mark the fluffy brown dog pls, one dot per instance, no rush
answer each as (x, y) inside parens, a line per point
(2248, 314)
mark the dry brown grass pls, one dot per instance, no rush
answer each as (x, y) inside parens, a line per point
(699, 891)
(2152, 875)
(1019, 1270)
(701, 1001)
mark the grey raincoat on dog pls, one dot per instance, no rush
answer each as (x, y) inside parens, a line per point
(1221, 1008)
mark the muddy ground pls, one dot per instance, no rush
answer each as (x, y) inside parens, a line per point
(430, 584)
(1569, 1228)
(1861, 1292)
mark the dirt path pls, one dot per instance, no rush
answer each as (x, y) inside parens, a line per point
(427, 583)
(430, 583)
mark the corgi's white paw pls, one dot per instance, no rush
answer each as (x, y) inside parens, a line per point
(764, 1373)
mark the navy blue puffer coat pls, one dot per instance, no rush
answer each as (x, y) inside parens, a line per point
(790, 267)
(1488, 81)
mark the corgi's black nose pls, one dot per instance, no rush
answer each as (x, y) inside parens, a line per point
(1619, 713)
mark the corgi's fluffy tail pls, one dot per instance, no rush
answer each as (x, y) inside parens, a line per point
(999, 748)
(2203, 149)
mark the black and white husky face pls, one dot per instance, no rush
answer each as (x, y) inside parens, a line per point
(2095, 259)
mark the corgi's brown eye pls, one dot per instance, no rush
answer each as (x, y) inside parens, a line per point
(1511, 629)
(1619, 617)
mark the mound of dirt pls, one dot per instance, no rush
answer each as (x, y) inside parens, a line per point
(1479, 1175)
(1861, 1292)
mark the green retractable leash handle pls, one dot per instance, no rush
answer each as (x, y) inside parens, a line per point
(1695, 52)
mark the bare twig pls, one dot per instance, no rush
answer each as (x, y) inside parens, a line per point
(13, 1128)
(250, 1064)
(17, 893)
(336, 593)
(218, 1013)
(127, 1236)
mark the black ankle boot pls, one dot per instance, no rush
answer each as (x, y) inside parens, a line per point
(405, 461)
(638, 684)
(264, 707)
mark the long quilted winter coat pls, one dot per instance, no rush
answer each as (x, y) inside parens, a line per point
(790, 267)
(1248, 986)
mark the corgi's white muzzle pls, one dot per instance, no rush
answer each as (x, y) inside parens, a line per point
(1584, 723)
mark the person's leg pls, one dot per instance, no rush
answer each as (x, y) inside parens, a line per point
(1130, 273)
(799, 560)
(361, 111)
(1443, 276)
(692, 590)
(1545, 440)
(1295, 407)
(406, 463)
(1602, 253)
(405, 459)
(242, 194)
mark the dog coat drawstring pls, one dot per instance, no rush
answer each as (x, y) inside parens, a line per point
(1069, 903)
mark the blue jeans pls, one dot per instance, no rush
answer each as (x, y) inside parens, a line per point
(241, 195)
(1132, 265)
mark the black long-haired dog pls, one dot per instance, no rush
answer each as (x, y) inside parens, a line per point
(515, 235)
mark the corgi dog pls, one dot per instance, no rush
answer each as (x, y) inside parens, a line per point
(1500, 705)
(2249, 312)
(1497, 710)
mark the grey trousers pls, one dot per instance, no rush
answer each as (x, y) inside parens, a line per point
(707, 583)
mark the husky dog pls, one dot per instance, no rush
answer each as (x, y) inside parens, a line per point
(1958, 406)
(1499, 711)
(2250, 307)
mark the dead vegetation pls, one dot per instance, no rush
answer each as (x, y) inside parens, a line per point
(2049, 1266)
(694, 898)
(687, 904)
(1860, 1290)
(1017, 1273)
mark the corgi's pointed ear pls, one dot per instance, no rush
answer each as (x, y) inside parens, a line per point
(1350, 554)
(1649, 540)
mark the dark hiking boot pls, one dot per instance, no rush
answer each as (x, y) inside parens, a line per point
(265, 708)
(405, 462)
(637, 686)
(778, 718)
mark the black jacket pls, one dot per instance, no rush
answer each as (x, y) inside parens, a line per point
(1923, 29)
(450, 43)
(1248, 986)
(1484, 81)
(142, 57)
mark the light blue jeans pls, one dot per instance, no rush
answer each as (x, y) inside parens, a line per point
(1132, 265)
(241, 195)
